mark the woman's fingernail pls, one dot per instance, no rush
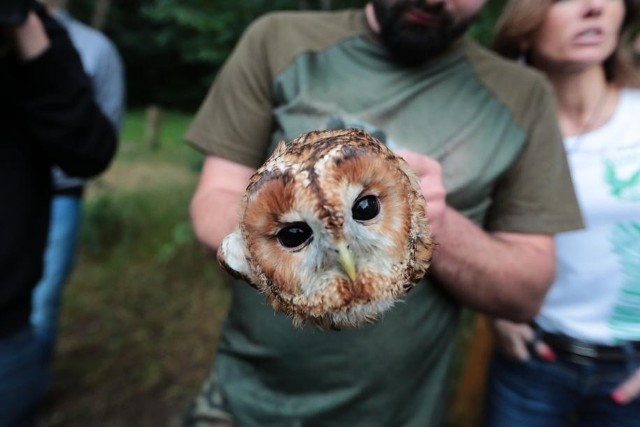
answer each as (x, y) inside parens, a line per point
(618, 398)
(548, 355)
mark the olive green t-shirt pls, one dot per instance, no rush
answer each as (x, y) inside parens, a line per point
(492, 126)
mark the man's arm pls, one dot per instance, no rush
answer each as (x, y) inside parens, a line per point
(216, 201)
(501, 274)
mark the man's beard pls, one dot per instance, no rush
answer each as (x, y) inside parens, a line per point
(411, 43)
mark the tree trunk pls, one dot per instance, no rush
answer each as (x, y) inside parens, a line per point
(100, 13)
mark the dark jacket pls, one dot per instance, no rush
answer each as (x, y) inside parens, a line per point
(47, 117)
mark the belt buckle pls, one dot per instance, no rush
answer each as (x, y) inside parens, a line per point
(578, 353)
(583, 351)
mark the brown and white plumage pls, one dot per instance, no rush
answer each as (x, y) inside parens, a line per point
(333, 229)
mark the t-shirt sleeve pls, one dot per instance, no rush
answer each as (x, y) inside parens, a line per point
(235, 119)
(536, 194)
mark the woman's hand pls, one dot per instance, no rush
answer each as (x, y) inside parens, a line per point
(516, 339)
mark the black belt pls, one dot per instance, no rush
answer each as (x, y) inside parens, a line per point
(576, 349)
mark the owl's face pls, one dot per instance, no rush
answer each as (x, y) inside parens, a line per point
(330, 231)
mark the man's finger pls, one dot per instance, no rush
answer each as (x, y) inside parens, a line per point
(421, 164)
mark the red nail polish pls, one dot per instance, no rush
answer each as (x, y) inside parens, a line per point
(618, 398)
(548, 355)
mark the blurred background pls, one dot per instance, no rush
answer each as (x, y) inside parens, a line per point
(144, 304)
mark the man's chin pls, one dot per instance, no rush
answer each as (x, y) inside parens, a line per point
(415, 59)
(416, 51)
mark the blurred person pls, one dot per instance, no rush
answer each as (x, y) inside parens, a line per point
(403, 71)
(578, 363)
(47, 117)
(104, 68)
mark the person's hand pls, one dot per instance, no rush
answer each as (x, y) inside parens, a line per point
(28, 39)
(516, 339)
(628, 390)
(429, 173)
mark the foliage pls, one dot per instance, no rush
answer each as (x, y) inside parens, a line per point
(172, 128)
(173, 48)
(485, 25)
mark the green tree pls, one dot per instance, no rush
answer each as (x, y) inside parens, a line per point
(483, 29)
(173, 48)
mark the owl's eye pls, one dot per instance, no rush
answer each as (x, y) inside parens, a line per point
(366, 208)
(295, 235)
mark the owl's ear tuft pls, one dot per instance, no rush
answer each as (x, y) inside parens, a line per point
(232, 258)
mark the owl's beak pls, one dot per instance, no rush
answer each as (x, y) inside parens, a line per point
(346, 260)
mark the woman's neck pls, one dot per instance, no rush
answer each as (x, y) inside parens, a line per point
(585, 100)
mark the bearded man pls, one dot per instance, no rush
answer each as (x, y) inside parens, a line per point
(480, 133)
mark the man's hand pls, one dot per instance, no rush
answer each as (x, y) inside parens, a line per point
(429, 173)
(628, 390)
(502, 274)
(515, 340)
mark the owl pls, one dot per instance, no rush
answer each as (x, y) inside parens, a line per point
(333, 230)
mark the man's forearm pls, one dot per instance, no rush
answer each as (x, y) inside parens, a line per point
(502, 274)
(216, 203)
(214, 215)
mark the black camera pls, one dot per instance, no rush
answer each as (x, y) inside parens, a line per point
(14, 12)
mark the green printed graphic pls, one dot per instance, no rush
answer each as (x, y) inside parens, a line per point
(625, 319)
(621, 187)
(623, 179)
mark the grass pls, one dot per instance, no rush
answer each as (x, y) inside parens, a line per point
(143, 307)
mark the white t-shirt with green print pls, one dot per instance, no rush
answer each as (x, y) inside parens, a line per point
(596, 295)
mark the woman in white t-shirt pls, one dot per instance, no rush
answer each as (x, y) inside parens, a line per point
(578, 362)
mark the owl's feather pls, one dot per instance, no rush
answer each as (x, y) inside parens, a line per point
(325, 206)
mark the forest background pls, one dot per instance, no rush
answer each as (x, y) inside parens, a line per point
(144, 305)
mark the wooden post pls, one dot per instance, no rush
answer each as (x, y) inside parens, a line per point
(153, 122)
(468, 401)
(100, 13)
